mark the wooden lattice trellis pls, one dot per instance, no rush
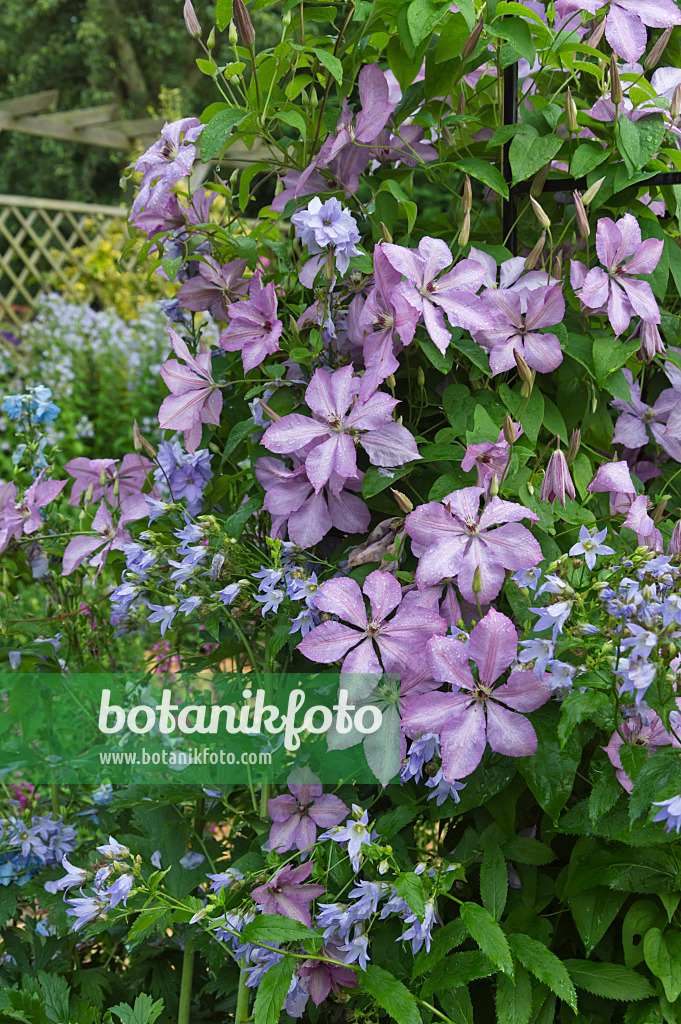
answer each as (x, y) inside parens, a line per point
(43, 243)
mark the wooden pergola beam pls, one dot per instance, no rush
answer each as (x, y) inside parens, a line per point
(86, 126)
(35, 103)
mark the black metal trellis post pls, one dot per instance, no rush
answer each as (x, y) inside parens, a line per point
(510, 205)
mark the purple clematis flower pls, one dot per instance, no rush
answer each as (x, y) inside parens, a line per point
(328, 226)
(296, 816)
(477, 713)
(194, 397)
(625, 25)
(615, 288)
(489, 458)
(214, 287)
(254, 329)
(125, 479)
(557, 482)
(399, 639)
(23, 517)
(519, 315)
(429, 294)
(335, 432)
(643, 525)
(321, 977)
(630, 429)
(286, 895)
(453, 538)
(307, 515)
(107, 535)
(391, 319)
(167, 161)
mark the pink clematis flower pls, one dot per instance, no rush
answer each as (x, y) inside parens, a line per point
(638, 520)
(109, 536)
(254, 329)
(663, 419)
(519, 315)
(286, 896)
(127, 479)
(195, 398)
(22, 517)
(615, 288)
(557, 482)
(477, 713)
(297, 814)
(214, 287)
(625, 25)
(453, 538)
(308, 516)
(614, 478)
(167, 161)
(489, 458)
(429, 294)
(398, 640)
(330, 439)
(634, 732)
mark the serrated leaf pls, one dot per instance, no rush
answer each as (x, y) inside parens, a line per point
(514, 1000)
(147, 922)
(218, 130)
(545, 966)
(486, 932)
(274, 928)
(391, 994)
(457, 1004)
(458, 969)
(494, 881)
(145, 1010)
(273, 989)
(444, 940)
(410, 887)
(611, 981)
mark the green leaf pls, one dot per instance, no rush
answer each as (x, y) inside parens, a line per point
(514, 1000)
(545, 966)
(477, 355)
(409, 207)
(390, 994)
(459, 969)
(457, 1004)
(551, 770)
(639, 918)
(609, 354)
(442, 363)
(494, 881)
(295, 120)
(576, 706)
(374, 481)
(422, 17)
(145, 1010)
(587, 156)
(171, 266)
(331, 63)
(659, 778)
(485, 172)
(639, 141)
(147, 922)
(593, 911)
(518, 34)
(528, 851)
(528, 154)
(223, 14)
(488, 935)
(218, 130)
(611, 981)
(662, 952)
(235, 523)
(236, 436)
(444, 940)
(410, 887)
(274, 928)
(273, 989)
(55, 990)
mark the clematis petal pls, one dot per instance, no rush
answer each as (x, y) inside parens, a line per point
(509, 733)
(493, 645)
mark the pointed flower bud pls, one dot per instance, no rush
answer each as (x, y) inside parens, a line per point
(539, 180)
(467, 195)
(88, 494)
(140, 443)
(580, 214)
(385, 234)
(558, 267)
(524, 372)
(675, 540)
(420, 377)
(191, 21)
(494, 486)
(232, 34)
(533, 257)
(592, 191)
(659, 510)
(675, 105)
(557, 482)
(244, 25)
(210, 42)
(597, 34)
(540, 214)
(658, 49)
(509, 430)
(570, 112)
(574, 445)
(616, 94)
(274, 416)
(465, 232)
(403, 501)
(473, 39)
(476, 585)
(461, 105)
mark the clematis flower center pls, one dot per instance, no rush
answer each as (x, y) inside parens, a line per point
(471, 527)
(374, 628)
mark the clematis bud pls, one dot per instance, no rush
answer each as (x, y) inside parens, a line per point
(509, 430)
(558, 267)
(539, 180)
(524, 372)
(447, 138)
(102, 477)
(88, 495)
(191, 21)
(473, 39)
(532, 258)
(675, 540)
(658, 49)
(675, 105)
(494, 486)
(420, 377)
(616, 94)
(597, 34)
(461, 105)
(580, 214)
(390, 381)
(210, 42)
(244, 25)
(659, 510)
(405, 505)
(570, 112)
(540, 214)
(467, 196)
(574, 445)
(387, 237)
(465, 232)
(476, 585)
(286, 19)
(232, 34)
(592, 191)
(140, 443)
(274, 416)
(557, 481)
(651, 342)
